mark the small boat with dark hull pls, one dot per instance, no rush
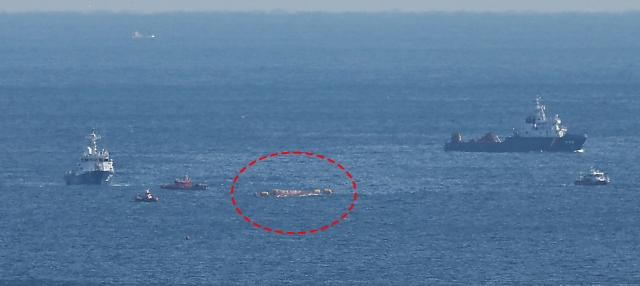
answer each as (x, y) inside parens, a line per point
(184, 184)
(95, 167)
(592, 178)
(540, 133)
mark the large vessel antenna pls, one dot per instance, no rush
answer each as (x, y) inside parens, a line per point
(93, 138)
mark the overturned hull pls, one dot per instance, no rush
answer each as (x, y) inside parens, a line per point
(567, 143)
(88, 178)
(291, 193)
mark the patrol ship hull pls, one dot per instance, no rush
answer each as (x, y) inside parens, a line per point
(88, 178)
(567, 143)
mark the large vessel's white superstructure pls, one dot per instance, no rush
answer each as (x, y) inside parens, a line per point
(95, 167)
(538, 125)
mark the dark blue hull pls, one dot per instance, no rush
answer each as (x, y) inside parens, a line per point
(89, 178)
(567, 143)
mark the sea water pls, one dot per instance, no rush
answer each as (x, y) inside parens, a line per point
(378, 94)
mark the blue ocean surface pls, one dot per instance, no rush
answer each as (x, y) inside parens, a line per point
(378, 93)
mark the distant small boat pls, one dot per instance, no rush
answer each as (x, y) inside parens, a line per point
(184, 184)
(592, 178)
(137, 35)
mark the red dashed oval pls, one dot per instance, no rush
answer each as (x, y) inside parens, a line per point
(299, 232)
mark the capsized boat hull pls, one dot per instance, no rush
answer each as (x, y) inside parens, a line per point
(292, 193)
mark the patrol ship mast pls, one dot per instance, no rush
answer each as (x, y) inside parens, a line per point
(95, 167)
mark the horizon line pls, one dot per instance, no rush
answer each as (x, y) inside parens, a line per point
(284, 12)
(326, 6)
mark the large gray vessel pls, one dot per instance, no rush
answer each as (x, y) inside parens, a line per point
(539, 134)
(95, 167)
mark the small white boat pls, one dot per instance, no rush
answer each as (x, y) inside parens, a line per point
(592, 178)
(137, 35)
(146, 197)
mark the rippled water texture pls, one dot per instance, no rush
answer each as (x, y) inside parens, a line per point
(378, 93)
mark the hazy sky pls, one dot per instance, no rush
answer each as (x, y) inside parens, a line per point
(155, 6)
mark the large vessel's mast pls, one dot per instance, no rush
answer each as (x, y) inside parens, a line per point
(540, 108)
(93, 138)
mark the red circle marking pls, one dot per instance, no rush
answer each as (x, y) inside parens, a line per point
(300, 232)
